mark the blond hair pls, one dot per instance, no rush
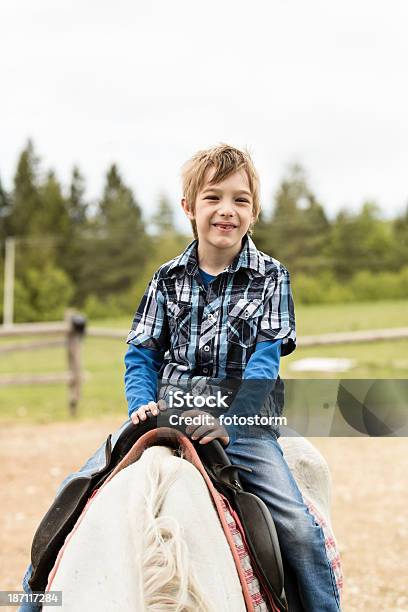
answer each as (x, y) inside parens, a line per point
(226, 160)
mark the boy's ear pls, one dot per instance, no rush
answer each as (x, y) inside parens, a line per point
(186, 208)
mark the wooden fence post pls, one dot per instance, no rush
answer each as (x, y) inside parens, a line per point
(76, 332)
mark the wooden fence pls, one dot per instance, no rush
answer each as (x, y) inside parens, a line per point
(73, 329)
(70, 334)
(366, 335)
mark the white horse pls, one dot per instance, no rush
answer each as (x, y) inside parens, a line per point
(151, 539)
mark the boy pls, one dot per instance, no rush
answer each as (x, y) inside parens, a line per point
(222, 309)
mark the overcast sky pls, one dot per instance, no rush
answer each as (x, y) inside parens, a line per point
(146, 84)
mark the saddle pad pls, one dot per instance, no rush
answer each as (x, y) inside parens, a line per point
(331, 547)
(256, 600)
(258, 594)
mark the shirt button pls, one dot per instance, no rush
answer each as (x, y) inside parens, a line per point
(206, 348)
(246, 313)
(211, 317)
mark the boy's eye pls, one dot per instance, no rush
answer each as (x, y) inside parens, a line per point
(214, 197)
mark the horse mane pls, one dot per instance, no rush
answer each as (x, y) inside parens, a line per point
(167, 579)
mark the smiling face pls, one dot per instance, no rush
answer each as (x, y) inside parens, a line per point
(223, 211)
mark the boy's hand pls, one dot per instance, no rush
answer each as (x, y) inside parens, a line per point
(153, 407)
(210, 430)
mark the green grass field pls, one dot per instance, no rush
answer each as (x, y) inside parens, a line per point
(103, 391)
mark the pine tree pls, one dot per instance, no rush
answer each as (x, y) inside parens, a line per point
(298, 229)
(25, 197)
(400, 241)
(163, 218)
(39, 220)
(360, 242)
(76, 204)
(74, 245)
(262, 233)
(4, 213)
(117, 247)
(52, 218)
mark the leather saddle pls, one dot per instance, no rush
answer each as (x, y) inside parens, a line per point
(257, 523)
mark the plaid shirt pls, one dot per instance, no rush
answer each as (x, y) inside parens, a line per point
(212, 333)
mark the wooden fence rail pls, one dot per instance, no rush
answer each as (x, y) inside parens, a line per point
(366, 335)
(73, 331)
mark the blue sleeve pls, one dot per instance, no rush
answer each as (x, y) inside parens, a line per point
(142, 368)
(264, 362)
(263, 366)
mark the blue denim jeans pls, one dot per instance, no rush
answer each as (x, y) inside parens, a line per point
(301, 539)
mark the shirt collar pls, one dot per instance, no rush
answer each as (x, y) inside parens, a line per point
(248, 258)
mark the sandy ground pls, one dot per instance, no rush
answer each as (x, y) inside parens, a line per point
(369, 503)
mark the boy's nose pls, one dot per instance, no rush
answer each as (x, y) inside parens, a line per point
(227, 209)
(227, 214)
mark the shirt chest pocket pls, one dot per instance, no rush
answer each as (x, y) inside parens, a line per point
(179, 317)
(243, 322)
